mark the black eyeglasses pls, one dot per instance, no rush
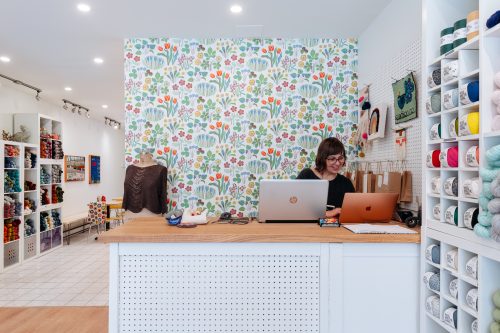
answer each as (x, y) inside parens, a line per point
(334, 159)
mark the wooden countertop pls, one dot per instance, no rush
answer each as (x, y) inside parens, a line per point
(156, 230)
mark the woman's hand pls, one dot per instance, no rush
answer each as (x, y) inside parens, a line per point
(333, 213)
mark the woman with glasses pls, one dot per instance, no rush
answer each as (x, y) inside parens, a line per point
(329, 161)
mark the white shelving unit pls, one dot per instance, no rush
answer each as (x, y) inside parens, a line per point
(34, 235)
(478, 59)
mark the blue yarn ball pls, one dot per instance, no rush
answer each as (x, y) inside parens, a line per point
(482, 231)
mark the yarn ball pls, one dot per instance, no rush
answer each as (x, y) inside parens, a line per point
(487, 174)
(495, 122)
(498, 108)
(470, 217)
(496, 298)
(484, 218)
(452, 157)
(483, 201)
(495, 327)
(471, 188)
(434, 282)
(493, 154)
(432, 253)
(494, 206)
(473, 122)
(482, 231)
(495, 188)
(495, 97)
(495, 223)
(473, 91)
(493, 20)
(487, 191)
(364, 136)
(496, 315)
(473, 326)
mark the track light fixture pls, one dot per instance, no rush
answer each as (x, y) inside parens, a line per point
(38, 90)
(111, 122)
(75, 107)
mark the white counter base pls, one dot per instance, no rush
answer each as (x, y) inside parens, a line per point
(264, 287)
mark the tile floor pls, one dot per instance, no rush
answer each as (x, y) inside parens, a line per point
(73, 275)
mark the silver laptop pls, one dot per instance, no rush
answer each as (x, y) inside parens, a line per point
(282, 200)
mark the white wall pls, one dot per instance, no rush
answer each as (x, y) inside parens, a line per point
(397, 25)
(388, 48)
(81, 136)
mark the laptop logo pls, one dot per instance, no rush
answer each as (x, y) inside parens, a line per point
(293, 200)
(369, 208)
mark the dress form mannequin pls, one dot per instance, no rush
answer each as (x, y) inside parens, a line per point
(139, 187)
(145, 160)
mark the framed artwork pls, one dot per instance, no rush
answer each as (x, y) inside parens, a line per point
(405, 99)
(376, 126)
(94, 169)
(74, 168)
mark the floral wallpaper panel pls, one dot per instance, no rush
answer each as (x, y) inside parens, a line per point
(222, 114)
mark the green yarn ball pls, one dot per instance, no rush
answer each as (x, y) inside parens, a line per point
(484, 218)
(488, 175)
(483, 201)
(496, 298)
(482, 231)
(493, 154)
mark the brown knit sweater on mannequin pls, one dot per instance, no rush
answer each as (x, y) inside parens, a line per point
(145, 187)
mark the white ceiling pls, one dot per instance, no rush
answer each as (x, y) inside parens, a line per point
(52, 45)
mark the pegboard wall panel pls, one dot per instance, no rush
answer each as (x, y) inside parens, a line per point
(219, 293)
(380, 80)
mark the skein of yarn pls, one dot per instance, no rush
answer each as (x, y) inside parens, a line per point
(482, 231)
(494, 206)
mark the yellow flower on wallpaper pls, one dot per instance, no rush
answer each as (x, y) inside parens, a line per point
(197, 165)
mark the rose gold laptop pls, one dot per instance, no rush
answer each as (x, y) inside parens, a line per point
(368, 207)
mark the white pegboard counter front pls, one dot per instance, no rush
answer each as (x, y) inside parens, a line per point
(260, 278)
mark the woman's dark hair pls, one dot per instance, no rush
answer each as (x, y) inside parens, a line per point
(328, 147)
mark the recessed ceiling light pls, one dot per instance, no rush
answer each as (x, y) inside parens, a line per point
(98, 60)
(4, 59)
(236, 9)
(68, 88)
(83, 7)
(104, 106)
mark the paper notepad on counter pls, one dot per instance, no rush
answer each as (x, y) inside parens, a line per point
(365, 228)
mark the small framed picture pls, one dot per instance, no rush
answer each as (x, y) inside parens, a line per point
(94, 169)
(74, 168)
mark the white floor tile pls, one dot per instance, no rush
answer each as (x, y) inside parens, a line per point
(74, 275)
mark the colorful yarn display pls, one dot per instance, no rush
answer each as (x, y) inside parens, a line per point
(29, 227)
(485, 218)
(11, 230)
(45, 148)
(488, 174)
(56, 174)
(453, 128)
(446, 40)
(29, 160)
(11, 181)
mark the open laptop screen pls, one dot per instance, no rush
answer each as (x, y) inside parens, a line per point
(292, 199)
(368, 207)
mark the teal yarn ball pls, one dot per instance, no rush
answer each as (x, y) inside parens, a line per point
(496, 298)
(484, 218)
(493, 154)
(488, 175)
(483, 202)
(487, 190)
(495, 164)
(482, 231)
